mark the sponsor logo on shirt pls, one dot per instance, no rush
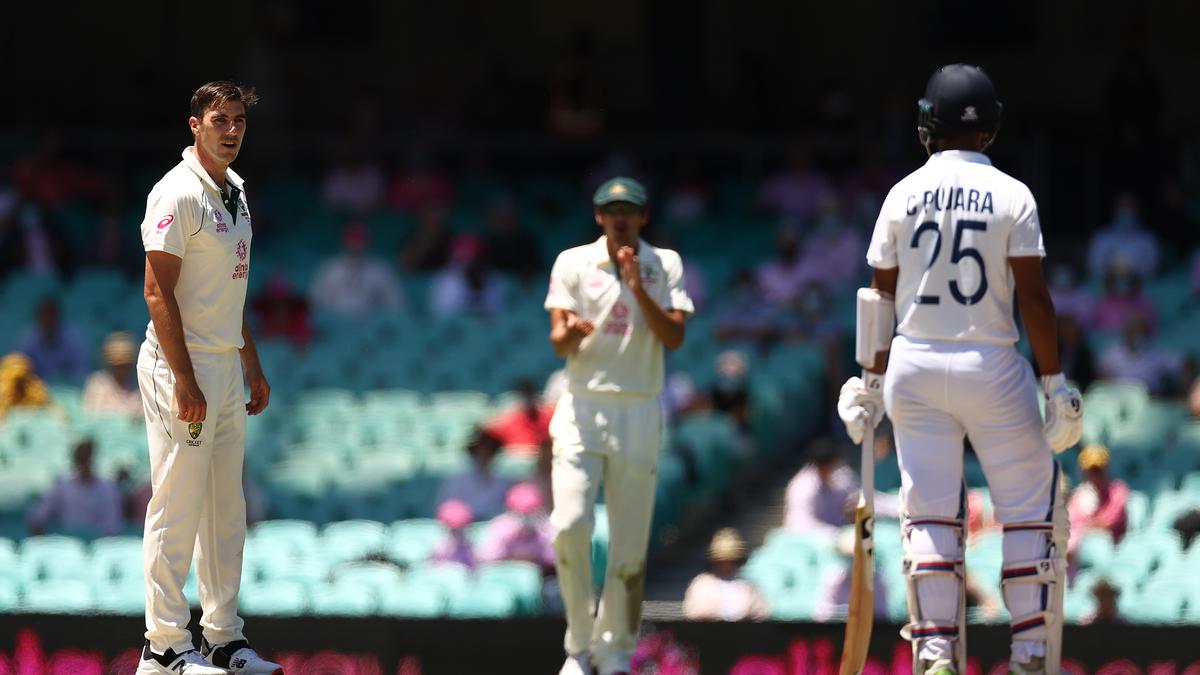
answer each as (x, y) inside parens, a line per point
(618, 323)
(222, 226)
(242, 269)
(166, 222)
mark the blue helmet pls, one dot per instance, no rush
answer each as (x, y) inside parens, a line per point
(959, 98)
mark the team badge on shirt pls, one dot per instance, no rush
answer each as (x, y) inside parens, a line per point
(648, 275)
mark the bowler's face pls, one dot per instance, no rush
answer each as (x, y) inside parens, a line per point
(220, 132)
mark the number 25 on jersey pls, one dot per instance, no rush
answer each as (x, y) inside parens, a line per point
(957, 253)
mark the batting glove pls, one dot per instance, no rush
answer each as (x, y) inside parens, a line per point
(859, 401)
(1064, 413)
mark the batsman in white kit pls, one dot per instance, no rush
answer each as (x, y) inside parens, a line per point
(614, 304)
(954, 242)
(193, 371)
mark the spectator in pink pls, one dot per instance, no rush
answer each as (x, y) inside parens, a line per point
(1137, 358)
(797, 192)
(818, 496)
(1099, 502)
(81, 504)
(523, 532)
(455, 547)
(1122, 300)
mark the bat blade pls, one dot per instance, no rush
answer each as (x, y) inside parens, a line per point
(861, 615)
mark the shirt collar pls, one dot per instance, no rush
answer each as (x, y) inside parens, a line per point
(231, 177)
(599, 251)
(962, 156)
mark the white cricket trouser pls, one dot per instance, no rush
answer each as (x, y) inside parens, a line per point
(615, 439)
(937, 392)
(197, 505)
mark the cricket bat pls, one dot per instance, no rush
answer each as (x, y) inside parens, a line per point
(861, 615)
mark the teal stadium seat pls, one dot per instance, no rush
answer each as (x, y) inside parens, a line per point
(10, 595)
(522, 579)
(343, 599)
(59, 596)
(411, 542)
(352, 540)
(274, 598)
(53, 558)
(483, 600)
(413, 601)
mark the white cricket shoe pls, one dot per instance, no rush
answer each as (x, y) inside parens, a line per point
(187, 663)
(578, 664)
(237, 658)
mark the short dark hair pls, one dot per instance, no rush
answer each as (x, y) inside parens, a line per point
(220, 92)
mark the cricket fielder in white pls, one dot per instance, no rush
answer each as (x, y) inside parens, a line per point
(193, 370)
(954, 242)
(614, 304)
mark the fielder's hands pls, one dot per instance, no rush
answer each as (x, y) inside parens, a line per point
(631, 271)
(579, 327)
(859, 401)
(1064, 413)
(260, 391)
(190, 405)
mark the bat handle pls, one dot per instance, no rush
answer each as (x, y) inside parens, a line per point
(867, 468)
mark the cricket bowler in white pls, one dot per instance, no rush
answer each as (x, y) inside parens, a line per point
(614, 304)
(193, 371)
(955, 241)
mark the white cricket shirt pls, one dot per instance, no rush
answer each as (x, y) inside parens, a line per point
(951, 227)
(186, 217)
(622, 355)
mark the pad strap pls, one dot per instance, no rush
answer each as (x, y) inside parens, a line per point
(922, 630)
(1041, 571)
(1028, 622)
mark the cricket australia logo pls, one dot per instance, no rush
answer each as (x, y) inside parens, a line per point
(194, 430)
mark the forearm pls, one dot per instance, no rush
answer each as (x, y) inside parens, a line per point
(1037, 312)
(564, 341)
(168, 326)
(667, 328)
(249, 350)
